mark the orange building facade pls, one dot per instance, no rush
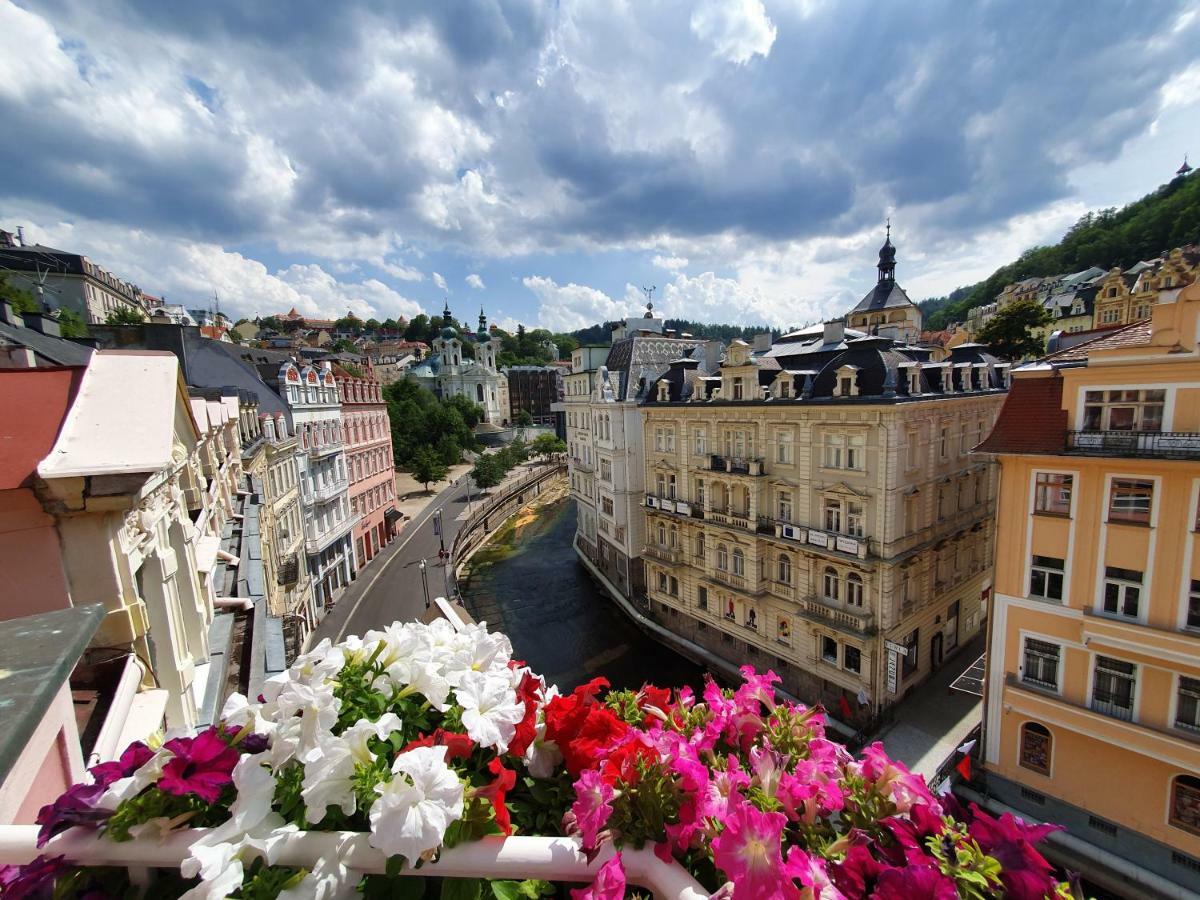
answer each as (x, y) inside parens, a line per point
(1092, 698)
(369, 463)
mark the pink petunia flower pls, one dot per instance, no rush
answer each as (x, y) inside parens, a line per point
(749, 852)
(609, 883)
(592, 807)
(202, 765)
(1024, 871)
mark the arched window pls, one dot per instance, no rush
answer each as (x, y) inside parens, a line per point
(785, 569)
(831, 584)
(854, 589)
(1185, 803)
(722, 558)
(739, 562)
(1036, 744)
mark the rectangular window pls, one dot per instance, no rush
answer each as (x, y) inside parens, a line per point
(606, 506)
(910, 514)
(1124, 410)
(1187, 704)
(1129, 500)
(829, 649)
(605, 469)
(1112, 690)
(856, 452)
(700, 442)
(833, 515)
(702, 598)
(1046, 578)
(671, 486)
(1122, 591)
(854, 519)
(669, 436)
(945, 443)
(852, 659)
(1193, 613)
(1052, 493)
(832, 453)
(1041, 664)
(660, 441)
(784, 447)
(737, 388)
(912, 644)
(912, 449)
(784, 506)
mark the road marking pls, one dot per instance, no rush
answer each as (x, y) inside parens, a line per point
(417, 523)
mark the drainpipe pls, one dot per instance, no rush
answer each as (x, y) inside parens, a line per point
(1162, 887)
(106, 747)
(234, 603)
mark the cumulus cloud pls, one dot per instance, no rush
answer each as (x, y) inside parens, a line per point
(670, 263)
(738, 29)
(440, 281)
(566, 307)
(473, 280)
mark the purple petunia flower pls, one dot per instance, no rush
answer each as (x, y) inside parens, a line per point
(76, 806)
(135, 756)
(33, 881)
(202, 765)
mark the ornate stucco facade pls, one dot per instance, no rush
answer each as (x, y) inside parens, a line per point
(449, 371)
(369, 462)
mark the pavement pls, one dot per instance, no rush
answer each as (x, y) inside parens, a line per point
(390, 588)
(933, 721)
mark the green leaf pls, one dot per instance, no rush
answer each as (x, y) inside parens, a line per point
(461, 888)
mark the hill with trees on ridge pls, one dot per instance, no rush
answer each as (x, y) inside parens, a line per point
(1162, 220)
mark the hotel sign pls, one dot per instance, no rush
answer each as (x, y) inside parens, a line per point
(893, 673)
(819, 538)
(846, 545)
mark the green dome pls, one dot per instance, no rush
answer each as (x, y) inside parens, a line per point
(448, 332)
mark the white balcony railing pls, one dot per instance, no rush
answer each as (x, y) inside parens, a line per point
(326, 491)
(317, 539)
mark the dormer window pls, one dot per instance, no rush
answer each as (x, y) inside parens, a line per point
(736, 386)
(914, 381)
(783, 389)
(847, 382)
(663, 395)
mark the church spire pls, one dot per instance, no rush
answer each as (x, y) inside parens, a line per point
(1185, 168)
(482, 322)
(446, 312)
(887, 257)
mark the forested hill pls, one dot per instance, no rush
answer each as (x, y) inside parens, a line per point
(1167, 218)
(602, 334)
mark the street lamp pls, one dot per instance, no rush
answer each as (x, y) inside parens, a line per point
(424, 581)
(437, 529)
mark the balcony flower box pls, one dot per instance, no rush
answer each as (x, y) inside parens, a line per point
(422, 760)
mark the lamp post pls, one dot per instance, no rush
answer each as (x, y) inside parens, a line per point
(424, 581)
(437, 529)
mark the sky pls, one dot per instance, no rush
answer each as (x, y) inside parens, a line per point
(548, 160)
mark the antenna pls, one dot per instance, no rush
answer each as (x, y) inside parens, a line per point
(649, 292)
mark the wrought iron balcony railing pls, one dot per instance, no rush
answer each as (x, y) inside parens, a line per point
(1165, 444)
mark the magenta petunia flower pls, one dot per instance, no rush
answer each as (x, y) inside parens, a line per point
(914, 883)
(749, 852)
(202, 765)
(1025, 873)
(592, 807)
(76, 806)
(135, 756)
(609, 883)
(32, 881)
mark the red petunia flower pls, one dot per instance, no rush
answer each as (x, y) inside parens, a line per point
(496, 792)
(202, 765)
(458, 746)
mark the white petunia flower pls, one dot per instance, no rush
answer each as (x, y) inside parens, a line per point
(328, 880)
(542, 757)
(491, 711)
(124, 788)
(317, 708)
(219, 869)
(329, 768)
(416, 807)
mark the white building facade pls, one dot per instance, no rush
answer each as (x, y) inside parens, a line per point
(449, 371)
(312, 395)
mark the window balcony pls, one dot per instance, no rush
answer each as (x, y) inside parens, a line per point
(752, 466)
(317, 539)
(580, 466)
(327, 449)
(1161, 444)
(323, 493)
(851, 619)
(673, 506)
(731, 519)
(1113, 706)
(669, 555)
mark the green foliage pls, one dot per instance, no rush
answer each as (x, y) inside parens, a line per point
(264, 882)
(418, 328)
(488, 471)
(522, 418)
(351, 324)
(21, 300)
(343, 345)
(272, 323)
(427, 466)
(125, 316)
(71, 324)
(419, 420)
(1009, 333)
(1166, 218)
(547, 445)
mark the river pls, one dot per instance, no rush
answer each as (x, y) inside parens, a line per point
(528, 583)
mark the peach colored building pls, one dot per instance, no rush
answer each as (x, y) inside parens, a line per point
(1092, 698)
(369, 462)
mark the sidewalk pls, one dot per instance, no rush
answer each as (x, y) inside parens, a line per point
(932, 722)
(411, 498)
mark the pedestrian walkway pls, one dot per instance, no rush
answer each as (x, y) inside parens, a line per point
(933, 721)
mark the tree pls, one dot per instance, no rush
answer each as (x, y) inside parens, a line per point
(1010, 333)
(71, 324)
(418, 328)
(391, 326)
(487, 472)
(22, 301)
(522, 418)
(372, 325)
(428, 467)
(351, 324)
(419, 419)
(271, 323)
(342, 345)
(546, 445)
(125, 316)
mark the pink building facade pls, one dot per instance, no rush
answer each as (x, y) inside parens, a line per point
(369, 462)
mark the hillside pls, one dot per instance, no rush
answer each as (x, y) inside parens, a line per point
(602, 333)
(1167, 218)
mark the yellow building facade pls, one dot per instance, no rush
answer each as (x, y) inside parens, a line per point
(815, 509)
(1092, 706)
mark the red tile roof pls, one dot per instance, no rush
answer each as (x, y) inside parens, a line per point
(1135, 335)
(33, 404)
(1032, 419)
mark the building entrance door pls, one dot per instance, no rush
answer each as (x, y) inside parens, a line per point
(935, 651)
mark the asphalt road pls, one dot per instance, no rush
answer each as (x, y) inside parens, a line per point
(389, 588)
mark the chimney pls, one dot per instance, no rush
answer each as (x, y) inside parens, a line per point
(835, 331)
(21, 235)
(8, 315)
(42, 324)
(762, 342)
